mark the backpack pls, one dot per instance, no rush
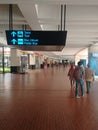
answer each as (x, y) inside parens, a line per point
(77, 73)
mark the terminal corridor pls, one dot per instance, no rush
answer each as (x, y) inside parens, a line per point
(42, 99)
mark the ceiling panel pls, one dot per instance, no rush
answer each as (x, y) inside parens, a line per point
(81, 20)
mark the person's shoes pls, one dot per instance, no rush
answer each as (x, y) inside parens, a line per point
(77, 97)
(83, 95)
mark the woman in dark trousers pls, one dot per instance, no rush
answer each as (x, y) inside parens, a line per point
(70, 74)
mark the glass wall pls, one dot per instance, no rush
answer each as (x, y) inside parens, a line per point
(4, 59)
(1, 65)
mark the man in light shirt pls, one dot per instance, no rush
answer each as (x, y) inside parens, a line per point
(89, 78)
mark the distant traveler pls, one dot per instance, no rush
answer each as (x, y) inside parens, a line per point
(89, 78)
(79, 74)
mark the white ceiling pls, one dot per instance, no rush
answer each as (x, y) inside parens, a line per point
(81, 20)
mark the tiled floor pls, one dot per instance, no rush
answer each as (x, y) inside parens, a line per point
(43, 100)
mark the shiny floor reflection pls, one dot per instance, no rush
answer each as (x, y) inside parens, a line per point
(42, 100)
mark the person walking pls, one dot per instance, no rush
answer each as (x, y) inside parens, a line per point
(79, 75)
(89, 78)
(70, 74)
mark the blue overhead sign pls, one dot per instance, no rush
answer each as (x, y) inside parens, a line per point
(35, 38)
(21, 37)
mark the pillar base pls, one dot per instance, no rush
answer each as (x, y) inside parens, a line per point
(15, 69)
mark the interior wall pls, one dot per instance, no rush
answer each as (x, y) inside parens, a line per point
(82, 55)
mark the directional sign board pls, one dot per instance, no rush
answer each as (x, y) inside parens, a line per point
(36, 38)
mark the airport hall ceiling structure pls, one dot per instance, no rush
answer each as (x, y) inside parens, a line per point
(81, 21)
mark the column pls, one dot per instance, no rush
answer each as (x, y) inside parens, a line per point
(15, 60)
(32, 61)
